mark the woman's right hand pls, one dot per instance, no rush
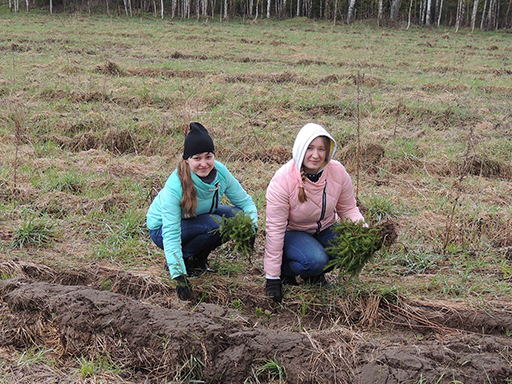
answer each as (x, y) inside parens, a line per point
(184, 288)
(274, 289)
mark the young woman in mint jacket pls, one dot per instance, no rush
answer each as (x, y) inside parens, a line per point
(305, 199)
(181, 217)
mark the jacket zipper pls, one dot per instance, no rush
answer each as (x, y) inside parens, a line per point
(215, 199)
(324, 203)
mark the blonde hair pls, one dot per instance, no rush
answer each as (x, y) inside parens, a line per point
(302, 193)
(189, 194)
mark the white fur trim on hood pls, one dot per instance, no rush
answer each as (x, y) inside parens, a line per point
(306, 135)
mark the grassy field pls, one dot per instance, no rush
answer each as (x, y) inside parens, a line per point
(93, 117)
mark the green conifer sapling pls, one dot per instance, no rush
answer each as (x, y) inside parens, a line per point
(355, 245)
(240, 229)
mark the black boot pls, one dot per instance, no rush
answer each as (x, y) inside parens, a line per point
(202, 262)
(289, 280)
(192, 267)
(316, 280)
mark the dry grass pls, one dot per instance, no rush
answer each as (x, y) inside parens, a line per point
(95, 125)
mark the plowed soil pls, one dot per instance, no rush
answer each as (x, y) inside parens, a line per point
(142, 327)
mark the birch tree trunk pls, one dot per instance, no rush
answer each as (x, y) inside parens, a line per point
(225, 9)
(125, 7)
(409, 15)
(427, 18)
(473, 15)
(350, 13)
(27, 5)
(298, 8)
(482, 21)
(395, 8)
(379, 15)
(268, 9)
(51, 6)
(460, 14)
(439, 13)
(489, 14)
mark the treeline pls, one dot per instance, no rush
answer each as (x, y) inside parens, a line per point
(474, 14)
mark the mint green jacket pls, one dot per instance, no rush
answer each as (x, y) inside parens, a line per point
(165, 210)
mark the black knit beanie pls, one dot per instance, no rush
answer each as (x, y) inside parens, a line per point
(197, 141)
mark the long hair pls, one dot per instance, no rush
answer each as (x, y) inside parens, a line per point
(302, 193)
(189, 195)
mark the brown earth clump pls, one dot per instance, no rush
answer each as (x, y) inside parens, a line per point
(370, 155)
(276, 154)
(152, 342)
(61, 204)
(482, 166)
(388, 232)
(79, 321)
(109, 68)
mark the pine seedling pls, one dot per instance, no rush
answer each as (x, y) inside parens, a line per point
(355, 245)
(240, 229)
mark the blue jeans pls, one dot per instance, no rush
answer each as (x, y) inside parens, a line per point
(197, 233)
(304, 254)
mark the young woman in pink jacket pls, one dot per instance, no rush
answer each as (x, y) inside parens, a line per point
(305, 199)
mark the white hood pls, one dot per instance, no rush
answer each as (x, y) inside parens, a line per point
(306, 135)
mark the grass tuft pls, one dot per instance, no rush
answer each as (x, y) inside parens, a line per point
(33, 232)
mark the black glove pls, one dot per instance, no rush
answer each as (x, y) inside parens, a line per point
(183, 289)
(274, 289)
(252, 240)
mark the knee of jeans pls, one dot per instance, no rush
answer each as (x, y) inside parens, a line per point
(317, 265)
(316, 269)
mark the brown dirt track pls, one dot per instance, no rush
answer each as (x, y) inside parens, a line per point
(150, 333)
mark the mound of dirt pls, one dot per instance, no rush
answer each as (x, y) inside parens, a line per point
(138, 323)
(109, 68)
(79, 321)
(472, 360)
(76, 321)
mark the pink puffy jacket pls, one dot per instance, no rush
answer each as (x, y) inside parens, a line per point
(330, 198)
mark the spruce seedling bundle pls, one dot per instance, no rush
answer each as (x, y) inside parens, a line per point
(355, 245)
(240, 229)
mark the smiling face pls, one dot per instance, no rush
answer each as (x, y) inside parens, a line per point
(316, 154)
(202, 163)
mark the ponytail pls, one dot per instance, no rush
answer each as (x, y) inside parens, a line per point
(189, 194)
(302, 193)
